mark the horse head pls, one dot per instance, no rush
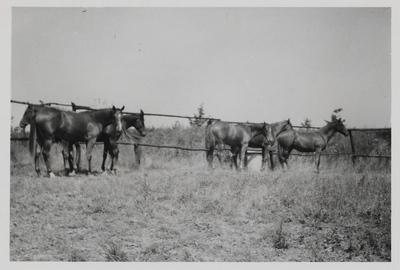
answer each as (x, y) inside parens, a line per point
(339, 127)
(26, 118)
(116, 117)
(267, 132)
(139, 125)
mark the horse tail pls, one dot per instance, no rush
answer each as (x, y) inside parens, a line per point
(210, 139)
(32, 137)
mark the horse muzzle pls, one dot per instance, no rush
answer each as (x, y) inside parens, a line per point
(23, 125)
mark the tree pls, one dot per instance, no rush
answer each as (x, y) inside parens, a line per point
(335, 114)
(198, 119)
(306, 123)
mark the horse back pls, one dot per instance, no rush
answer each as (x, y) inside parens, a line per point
(229, 134)
(309, 141)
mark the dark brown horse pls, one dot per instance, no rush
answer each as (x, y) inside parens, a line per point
(26, 120)
(49, 124)
(110, 135)
(259, 141)
(311, 141)
(235, 135)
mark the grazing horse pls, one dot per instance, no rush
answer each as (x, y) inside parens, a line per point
(235, 135)
(258, 141)
(49, 124)
(311, 141)
(110, 135)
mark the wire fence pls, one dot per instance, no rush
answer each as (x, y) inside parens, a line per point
(251, 151)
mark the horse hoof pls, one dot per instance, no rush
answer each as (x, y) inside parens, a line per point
(72, 173)
(51, 175)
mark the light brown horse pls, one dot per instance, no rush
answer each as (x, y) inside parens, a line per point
(49, 124)
(312, 141)
(237, 136)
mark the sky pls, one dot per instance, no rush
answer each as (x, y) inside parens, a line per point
(241, 64)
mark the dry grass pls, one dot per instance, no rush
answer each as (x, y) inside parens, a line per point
(173, 208)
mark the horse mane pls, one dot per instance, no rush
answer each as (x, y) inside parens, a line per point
(255, 126)
(329, 124)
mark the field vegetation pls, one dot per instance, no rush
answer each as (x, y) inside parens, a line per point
(174, 208)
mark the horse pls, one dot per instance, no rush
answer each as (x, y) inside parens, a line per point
(235, 135)
(26, 120)
(258, 141)
(110, 135)
(311, 141)
(49, 124)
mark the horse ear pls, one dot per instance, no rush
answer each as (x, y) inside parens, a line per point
(123, 107)
(141, 112)
(113, 108)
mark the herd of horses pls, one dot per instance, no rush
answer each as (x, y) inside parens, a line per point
(50, 125)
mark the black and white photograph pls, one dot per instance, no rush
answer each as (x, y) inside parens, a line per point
(154, 132)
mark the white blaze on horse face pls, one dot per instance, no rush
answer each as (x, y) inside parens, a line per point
(118, 122)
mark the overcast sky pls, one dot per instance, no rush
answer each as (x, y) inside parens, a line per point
(243, 64)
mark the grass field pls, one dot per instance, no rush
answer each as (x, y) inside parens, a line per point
(173, 208)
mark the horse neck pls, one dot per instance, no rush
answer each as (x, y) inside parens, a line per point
(102, 116)
(256, 129)
(278, 128)
(328, 131)
(130, 120)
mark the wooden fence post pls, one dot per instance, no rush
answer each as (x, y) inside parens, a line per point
(138, 154)
(353, 148)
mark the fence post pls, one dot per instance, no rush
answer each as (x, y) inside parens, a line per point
(138, 154)
(353, 148)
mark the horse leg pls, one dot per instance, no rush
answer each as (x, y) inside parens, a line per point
(317, 159)
(210, 156)
(264, 158)
(246, 160)
(65, 153)
(77, 157)
(46, 156)
(71, 160)
(38, 151)
(114, 156)
(220, 150)
(271, 159)
(242, 155)
(234, 158)
(89, 149)
(283, 155)
(105, 153)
